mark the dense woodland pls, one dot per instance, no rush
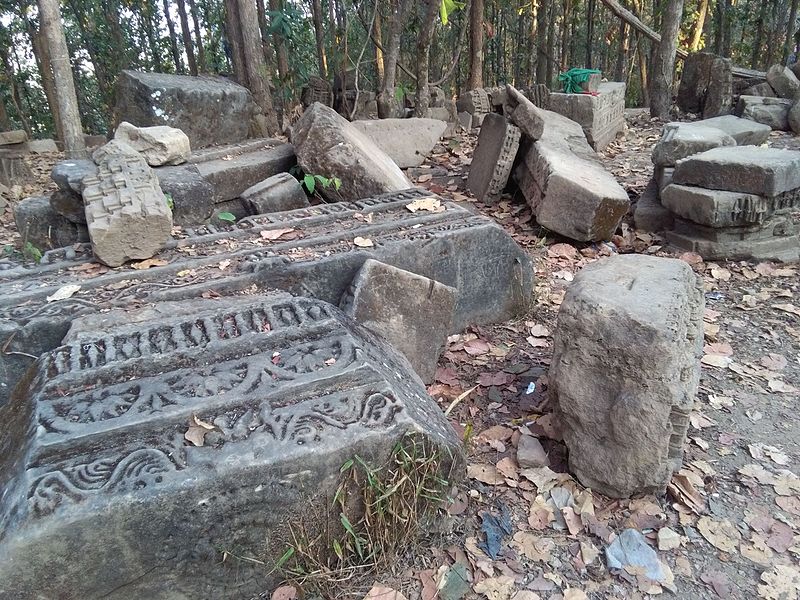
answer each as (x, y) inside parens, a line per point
(274, 46)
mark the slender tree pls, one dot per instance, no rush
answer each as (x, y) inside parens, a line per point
(664, 60)
(173, 39)
(319, 36)
(423, 99)
(388, 105)
(187, 37)
(476, 45)
(202, 65)
(50, 16)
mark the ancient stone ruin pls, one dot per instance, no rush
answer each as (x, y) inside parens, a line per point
(625, 371)
(601, 114)
(406, 141)
(493, 159)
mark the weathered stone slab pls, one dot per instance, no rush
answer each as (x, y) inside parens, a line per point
(794, 118)
(602, 116)
(760, 89)
(13, 168)
(706, 85)
(539, 94)
(769, 111)
(160, 145)
(719, 94)
(317, 257)
(716, 208)
(69, 205)
(475, 102)
(193, 198)
(277, 193)
(571, 194)
(406, 141)
(774, 239)
(126, 211)
(104, 477)
(625, 371)
(69, 174)
(209, 110)
(42, 146)
(680, 140)
(783, 81)
(750, 169)
(17, 136)
(38, 223)
(744, 131)
(650, 214)
(328, 145)
(523, 113)
(411, 312)
(493, 158)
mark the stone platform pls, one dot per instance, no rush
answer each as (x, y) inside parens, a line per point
(163, 453)
(310, 252)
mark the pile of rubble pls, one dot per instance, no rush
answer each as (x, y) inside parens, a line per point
(775, 102)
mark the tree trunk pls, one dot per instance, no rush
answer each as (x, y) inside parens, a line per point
(41, 53)
(387, 102)
(791, 29)
(11, 78)
(150, 13)
(377, 38)
(589, 32)
(202, 65)
(187, 37)
(5, 122)
(476, 45)
(319, 36)
(565, 21)
(551, 41)
(664, 60)
(50, 17)
(697, 31)
(621, 67)
(173, 40)
(280, 46)
(423, 100)
(254, 68)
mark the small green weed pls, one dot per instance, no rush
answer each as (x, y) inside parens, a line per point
(31, 252)
(227, 217)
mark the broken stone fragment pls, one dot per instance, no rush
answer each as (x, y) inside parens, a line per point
(493, 158)
(126, 211)
(411, 312)
(38, 223)
(650, 214)
(783, 81)
(760, 89)
(160, 145)
(277, 193)
(406, 141)
(327, 144)
(16, 136)
(744, 131)
(524, 114)
(69, 174)
(69, 205)
(769, 111)
(680, 140)
(625, 370)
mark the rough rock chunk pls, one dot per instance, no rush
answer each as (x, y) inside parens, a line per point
(277, 193)
(706, 85)
(783, 81)
(625, 371)
(744, 131)
(680, 140)
(523, 113)
(13, 168)
(749, 169)
(760, 89)
(794, 118)
(328, 145)
(126, 211)
(411, 312)
(209, 110)
(493, 159)
(69, 205)
(69, 174)
(193, 198)
(160, 145)
(43, 227)
(769, 111)
(180, 432)
(406, 141)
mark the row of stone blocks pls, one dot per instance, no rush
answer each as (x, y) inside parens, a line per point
(716, 192)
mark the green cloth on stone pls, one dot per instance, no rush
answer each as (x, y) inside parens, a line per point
(571, 80)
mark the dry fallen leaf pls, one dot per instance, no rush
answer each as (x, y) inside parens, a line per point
(487, 474)
(150, 262)
(63, 292)
(720, 534)
(196, 434)
(781, 583)
(274, 234)
(362, 242)
(496, 588)
(285, 592)
(429, 204)
(381, 592)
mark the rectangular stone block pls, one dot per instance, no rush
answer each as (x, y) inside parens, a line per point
(126, 211)
(13, 168)
(523, 113)
(744, 131)
(167, 438)
(16, 136)
(493, 158)
(650, 214)
(602, 116)
(310, 252)
(768, 111)
(406, 141)
(783, 81)
(680, 140)
(38, 223)
(663, 176)
(193, 198)
(625, 371)
(749, 169)
(277, 193)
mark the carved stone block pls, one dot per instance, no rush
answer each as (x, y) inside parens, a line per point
(126, 211)
(105, 476)
(625, 370)
(493, 159)
(602, 116)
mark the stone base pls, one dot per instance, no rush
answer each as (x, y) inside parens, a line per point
(38, 223)
(649, 214)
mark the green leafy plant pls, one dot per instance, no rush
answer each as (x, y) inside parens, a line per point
(447, 7)
(31, 252)
(310, 183)
(227, 217)
(170, 201)
(402, 91)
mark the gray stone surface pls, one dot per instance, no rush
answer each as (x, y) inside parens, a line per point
(493, 158)
(769, 111)
(794, 118)
(43, 227)
(717, 208)
(16, 136)
(602, 116)
(475, 102)
(411, 312)
(69, 205)
(277, 193)
(193, 198)
(328, 145)
(663, 176)
(523, 113)
(650, 214)
(42, 146)
(680, 140)
(744, 131)
(750, 169)
(706, 85)
(783, 81)
(719, 94)
(69, 174)
(774, 239)
(539, 94)
(13, 168)
(317, 257)
(126, 211)
(210, 110)
(289, 390)
(760, 89)
(570, 193)
(160, 145)
(406, 141)
(625, 371)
